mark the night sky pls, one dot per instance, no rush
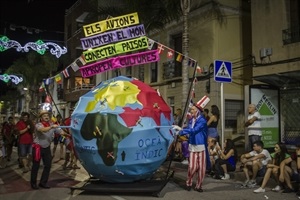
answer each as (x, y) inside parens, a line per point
(44, 18)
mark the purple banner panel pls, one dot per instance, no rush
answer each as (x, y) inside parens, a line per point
(113, 36)
(120, 62)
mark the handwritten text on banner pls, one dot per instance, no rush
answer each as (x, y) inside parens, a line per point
(115, 49)
(110, 24)
(112, 36)
(119, 62)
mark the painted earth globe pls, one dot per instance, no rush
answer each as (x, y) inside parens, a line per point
(122, 130)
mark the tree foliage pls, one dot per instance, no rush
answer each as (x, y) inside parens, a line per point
(34, 67)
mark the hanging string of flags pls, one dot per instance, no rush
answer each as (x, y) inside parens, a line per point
(65, 73)
(106, 40)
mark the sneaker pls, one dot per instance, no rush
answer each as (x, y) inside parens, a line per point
(259, 190)
(226, 177)
(245, 183)
(277, 188)
(251, 183)
(185, 162)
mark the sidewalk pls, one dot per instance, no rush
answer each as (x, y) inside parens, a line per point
(237, 177)
(15, 184)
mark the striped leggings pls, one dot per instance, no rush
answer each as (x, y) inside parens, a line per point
(197, 164)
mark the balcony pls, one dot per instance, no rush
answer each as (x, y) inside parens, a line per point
(290, 36)
(73, 94)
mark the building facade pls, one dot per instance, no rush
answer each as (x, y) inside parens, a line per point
(259, 38)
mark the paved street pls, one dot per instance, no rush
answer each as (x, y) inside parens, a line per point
(15, 185)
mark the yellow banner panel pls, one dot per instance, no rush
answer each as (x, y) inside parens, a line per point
(115, 49)
(110, 24)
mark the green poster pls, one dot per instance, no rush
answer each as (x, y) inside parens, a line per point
(267, 105)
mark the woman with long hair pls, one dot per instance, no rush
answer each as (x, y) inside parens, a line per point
(226, 161)
(212, 123)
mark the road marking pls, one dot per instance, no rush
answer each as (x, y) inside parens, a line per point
(118, 198)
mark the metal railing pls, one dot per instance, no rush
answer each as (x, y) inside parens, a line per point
(83, 87)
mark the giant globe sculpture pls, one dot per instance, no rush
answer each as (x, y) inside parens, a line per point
(122, 130)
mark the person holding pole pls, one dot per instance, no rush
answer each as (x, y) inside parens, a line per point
(197, 131)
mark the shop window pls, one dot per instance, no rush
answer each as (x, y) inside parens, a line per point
(81, 82)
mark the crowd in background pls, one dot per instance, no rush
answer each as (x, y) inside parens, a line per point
(279, 164)
(37, 135)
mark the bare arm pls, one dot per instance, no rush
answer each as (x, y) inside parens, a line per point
(250, 121)
(24, 130)
(245, 156)
(284, 163)
(211, 119)
(282, 166)
(226, 156)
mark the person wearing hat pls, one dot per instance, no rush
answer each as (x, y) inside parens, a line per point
(45, 130)
(197, 131)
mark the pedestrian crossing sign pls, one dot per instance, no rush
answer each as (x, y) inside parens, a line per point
(223, 71)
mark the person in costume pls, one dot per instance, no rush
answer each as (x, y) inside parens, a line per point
(45, 130)
(197, 131)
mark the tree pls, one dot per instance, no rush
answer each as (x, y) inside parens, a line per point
(33, 68)
(154, 14)
(10, 101)
(185, 7)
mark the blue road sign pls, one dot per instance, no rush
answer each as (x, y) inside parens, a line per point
(223, 71)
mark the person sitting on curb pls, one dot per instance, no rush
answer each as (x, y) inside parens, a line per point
(279, 156)
(213, 154)
(256, 161)
(227, 160)
(289, 173)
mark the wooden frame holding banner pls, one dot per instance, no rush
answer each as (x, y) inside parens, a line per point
(267, 101)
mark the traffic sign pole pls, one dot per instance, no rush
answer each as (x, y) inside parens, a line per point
(222, 74)
(222, 115)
